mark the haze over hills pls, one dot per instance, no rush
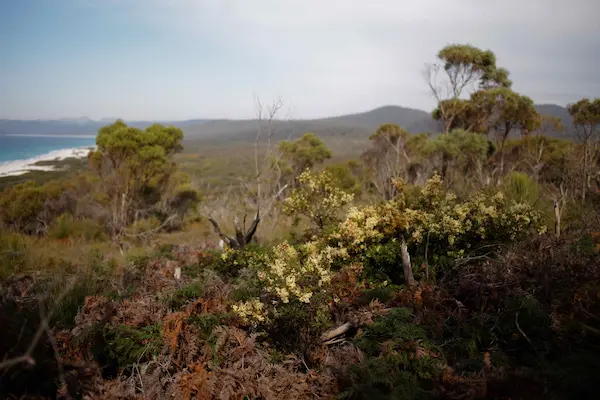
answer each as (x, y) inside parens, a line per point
(351, 125)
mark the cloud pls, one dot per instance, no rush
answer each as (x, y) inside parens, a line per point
(341, 52)
(336, 56)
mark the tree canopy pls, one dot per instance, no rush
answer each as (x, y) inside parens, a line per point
(302, 154)
(136, 169)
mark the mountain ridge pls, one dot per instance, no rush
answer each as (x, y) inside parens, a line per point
(353, 124)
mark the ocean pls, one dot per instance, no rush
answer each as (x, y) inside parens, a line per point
(27, 147)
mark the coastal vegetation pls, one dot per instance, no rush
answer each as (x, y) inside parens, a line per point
(459, 263)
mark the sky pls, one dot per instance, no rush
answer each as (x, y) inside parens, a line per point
(183, 59)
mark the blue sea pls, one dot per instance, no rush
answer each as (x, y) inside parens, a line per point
(24, 147)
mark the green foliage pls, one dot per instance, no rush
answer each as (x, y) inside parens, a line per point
(135, 168)
(435, 221)
(66, 226)
(139, 257)
(232, 262)
(127, 345)
(13, 248)
(91, 280)
(586, 116)
(381, 293)
(295, 327)
(384, 260)
(460, 151)
(390, 133)
(461, 58)
(518, 186)
(467, 68)
(506, 111)
(460, 114)
(207, 322)
(182, 297)
(21, 204)
(400, 363)
(345, 178)
(302, 154)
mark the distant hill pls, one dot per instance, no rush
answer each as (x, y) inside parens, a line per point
(73, 126)
(358, 125)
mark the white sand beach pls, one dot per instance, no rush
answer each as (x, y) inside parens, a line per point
(20, 167)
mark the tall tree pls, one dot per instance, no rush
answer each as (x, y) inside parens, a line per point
(459, 71)
(586, 118)
(549, 125)
(387, 158)
(460, 151)
(302, 154)
(506, 112)
(135, 167)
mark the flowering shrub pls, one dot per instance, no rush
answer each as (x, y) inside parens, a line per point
(292, 273)
(250, 311)
(374, 235)
(437, 218)
(318, 198)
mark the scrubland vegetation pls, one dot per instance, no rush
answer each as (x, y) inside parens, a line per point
(458, 265)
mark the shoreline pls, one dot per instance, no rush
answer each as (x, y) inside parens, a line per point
(20, 167)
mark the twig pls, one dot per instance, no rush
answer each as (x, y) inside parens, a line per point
(523, 333)
(304, 363)
(334, 341)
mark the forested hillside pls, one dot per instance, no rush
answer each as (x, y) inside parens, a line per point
(394, 254)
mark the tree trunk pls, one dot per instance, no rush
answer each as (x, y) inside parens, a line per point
(408, 273)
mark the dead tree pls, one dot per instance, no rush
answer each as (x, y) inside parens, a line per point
(242, 236)
(264, 185)
(560, 201)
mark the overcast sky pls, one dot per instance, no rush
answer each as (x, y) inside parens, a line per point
(179, 59)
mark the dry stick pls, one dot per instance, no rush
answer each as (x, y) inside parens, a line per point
(334, 341)
(336, 331)
(27, 357)
(523, 333)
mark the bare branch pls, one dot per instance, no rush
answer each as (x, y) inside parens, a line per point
(226, 239)
(252, 229)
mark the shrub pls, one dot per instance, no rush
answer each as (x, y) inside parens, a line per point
(434, 221)
(67, 226)
(181, 297)
(519, 187)
(319, 198)
(401, 363)
(13, 248)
